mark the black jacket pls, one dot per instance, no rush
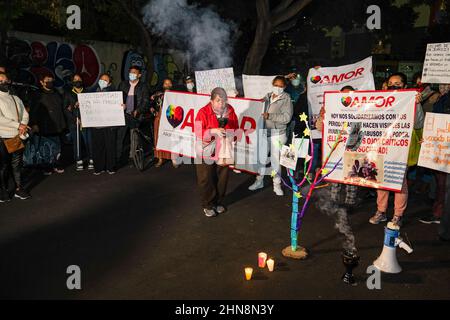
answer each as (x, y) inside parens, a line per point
(301, 106)
(69, 100)
(141, 95)
(48, 113)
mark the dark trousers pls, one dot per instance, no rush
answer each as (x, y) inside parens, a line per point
(212, 181)
(7, 161)
(84, 139)
(104, 148)
(123, 143)
(439, 203)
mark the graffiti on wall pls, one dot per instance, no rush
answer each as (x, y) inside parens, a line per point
(164, 67)
(60, 60)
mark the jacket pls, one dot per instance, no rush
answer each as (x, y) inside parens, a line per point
(9, 122)
(280, 112)
(208, 120)
(70, 98)
(141, 95)
(48, 113)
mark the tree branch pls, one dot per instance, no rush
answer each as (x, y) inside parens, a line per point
(289, 12)
(282, 6)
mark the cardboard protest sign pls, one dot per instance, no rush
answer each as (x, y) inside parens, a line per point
(207, 80)
(256, 87)
(101, 109)
(436, 67)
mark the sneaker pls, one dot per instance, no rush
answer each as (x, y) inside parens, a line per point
(80, 166)
(378, 217)
(397, 221)
(277, 189)
(429, 219)
(4, 197)
(48, 172)
(258, 184)
(220, 209)
(58, 170)
(111, 172)
(91, 165)
(210, 213)
(99, 173)
(22, 194)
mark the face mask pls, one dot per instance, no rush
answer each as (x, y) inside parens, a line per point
(132, 76)
(394, 87)
(4, 87)
(190, 86)
(295, 82)
(78, 84)
(49, 85)
(443, 89)
(277, 90)
(102, 84)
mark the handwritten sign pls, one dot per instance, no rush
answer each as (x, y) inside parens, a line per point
(208, 80)
(435, 149)
(436, 68)
(101, 109)
(256, 87)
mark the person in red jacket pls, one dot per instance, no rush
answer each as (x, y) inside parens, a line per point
(215, 126)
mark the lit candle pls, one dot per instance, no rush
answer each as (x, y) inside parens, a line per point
(248, 273)
(270, 264)
(262, 257)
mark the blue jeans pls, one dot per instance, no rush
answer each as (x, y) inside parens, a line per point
(85, 139)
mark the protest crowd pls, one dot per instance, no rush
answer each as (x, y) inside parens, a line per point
(52, 118)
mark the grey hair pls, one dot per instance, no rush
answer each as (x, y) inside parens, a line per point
(219, 92)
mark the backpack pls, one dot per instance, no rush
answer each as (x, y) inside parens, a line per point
(41, 151)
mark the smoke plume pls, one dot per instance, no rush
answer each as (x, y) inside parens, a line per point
(205, 35)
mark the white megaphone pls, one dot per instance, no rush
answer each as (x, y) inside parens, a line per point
(387, 261)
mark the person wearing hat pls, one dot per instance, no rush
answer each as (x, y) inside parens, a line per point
(190, 84)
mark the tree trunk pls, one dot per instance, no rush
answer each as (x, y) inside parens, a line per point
(258, 50)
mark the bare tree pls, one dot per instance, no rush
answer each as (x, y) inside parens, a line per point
(278, 19)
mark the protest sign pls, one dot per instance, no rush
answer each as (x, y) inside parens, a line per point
(101, 109)
(177, 127)
(256, 87)
(435, 149)
(436, 67)
(376, 131)
(289, 157)
(358, 75)
(207, 80)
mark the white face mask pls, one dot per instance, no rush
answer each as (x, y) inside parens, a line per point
(190, 86)
(102, 84)
(444, 88)
(295, 82)
(277, 90)
(132, 76)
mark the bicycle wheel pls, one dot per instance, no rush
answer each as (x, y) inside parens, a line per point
(136, 150)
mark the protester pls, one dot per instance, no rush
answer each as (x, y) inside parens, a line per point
(104, 138)
(13, 129)
(212, 178)
(351, 191)
(190, 85)
(136, 101)
(398, 81)
(156, 104)
(277, 114)
(442, 105)
(295, 89)
(47, 119)
(77, 132)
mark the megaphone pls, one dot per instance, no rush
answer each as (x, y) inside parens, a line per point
(387, 261)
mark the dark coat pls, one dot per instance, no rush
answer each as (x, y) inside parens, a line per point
(48, 113)
(141, 95)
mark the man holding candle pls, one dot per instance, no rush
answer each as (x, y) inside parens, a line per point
(212, 124)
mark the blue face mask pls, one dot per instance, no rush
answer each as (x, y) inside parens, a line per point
(295, 82)
(132, 76)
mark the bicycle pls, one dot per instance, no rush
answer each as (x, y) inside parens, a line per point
(142, 145)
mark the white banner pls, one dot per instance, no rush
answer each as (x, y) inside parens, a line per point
(435, 149)
(257, 87)
(436, 67)
(358, 75)
(176, 130)
(101, 109)
(207, 80)
(377, 128)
